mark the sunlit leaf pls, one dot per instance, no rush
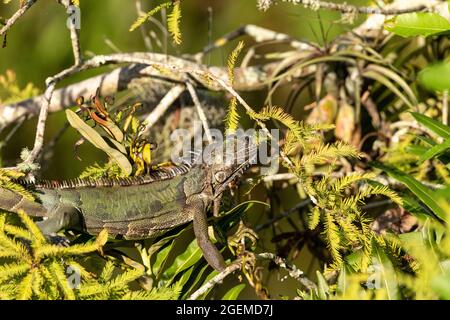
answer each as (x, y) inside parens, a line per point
(441, 285)
(188, 258)
(234, 292)
(323, 290)
(418, 24)
(435, 126)
(371, 74)
(384, 269)
(416, 187)
(96, 139)
(436, 77)
(436, 150)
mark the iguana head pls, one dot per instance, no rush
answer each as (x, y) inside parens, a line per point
(229, 166)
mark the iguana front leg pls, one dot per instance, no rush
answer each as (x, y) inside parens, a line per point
(62, 217)
(197, 209)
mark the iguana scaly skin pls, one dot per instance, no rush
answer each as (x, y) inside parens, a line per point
(132, 208)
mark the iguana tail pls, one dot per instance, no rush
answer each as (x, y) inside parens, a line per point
(12, 201)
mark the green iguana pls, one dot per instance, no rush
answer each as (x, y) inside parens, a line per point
(132, 208)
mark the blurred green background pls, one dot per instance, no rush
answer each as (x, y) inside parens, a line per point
(39, 46)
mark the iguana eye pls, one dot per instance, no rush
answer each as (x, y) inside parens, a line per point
(220, 176)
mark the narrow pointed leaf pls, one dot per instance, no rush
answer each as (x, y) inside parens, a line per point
(234, 292)
(420, 191)
(435, 126)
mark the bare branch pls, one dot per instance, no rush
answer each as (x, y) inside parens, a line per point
(145, 37)
(16, 16)
(163, 105)
(246, 79)
(346, 8)
(74, 36)
(201, 113)
(293, 271)
(216, 280)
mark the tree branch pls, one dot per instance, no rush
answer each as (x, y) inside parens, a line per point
(246, 79)
(346, 8)
(293, 271)
(16, 16)
(74, 36)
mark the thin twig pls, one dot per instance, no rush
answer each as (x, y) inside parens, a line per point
(246, 79)
(142, 28)
(259, 34)
(74, 36)
(201, 113)
(293, 271)
(40, 128)
(50, 88)
(279, 177)
(346, 8)
(163, 105)
(215, 280)
(19, 13)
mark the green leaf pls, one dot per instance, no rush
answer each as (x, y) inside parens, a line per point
(419, 190)
(435, 126)
(185, 260)
(436, 77)
(375, 75)
(114, 130)
(161, 258)
(412, 239)
(441, 285)
(185, 277)
(193, 282)
(386, 270)
(323, 290)
(436, 150)
(96, 139)
(118, 145)
(417, 24)
(388, 73)
(233, 293)
(342, 280)
(413, 206)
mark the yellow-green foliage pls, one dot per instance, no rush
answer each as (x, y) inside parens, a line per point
(232, 119)
(344, 223)
(5, 182)
(10, 91)
(173, 22)
(108, 170)
(31, 267)
(173, 19)
(298, 133)
(142, 19)
(107, 287)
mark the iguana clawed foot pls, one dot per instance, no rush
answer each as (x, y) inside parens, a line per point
(237, 240)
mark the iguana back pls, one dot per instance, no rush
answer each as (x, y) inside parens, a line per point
(134, 208)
